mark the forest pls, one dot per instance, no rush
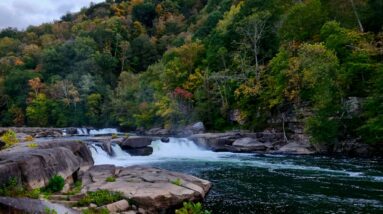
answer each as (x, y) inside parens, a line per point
(233, 64)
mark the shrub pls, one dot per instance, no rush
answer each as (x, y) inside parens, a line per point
(100, 197)
(95, 211)
(35, 194)
(110, 179)
(33, 145)
(48, 210)
(76, 188)
(28, 138)
(9, 138)
(192, 208)
(12, 188)
(114, 136)
(177, 182)
(56, 184)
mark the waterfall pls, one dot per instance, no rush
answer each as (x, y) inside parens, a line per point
(82, 131)
(105, 131)
(176, 148)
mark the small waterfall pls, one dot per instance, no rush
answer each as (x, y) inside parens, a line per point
(105, 131)
(82, 131)
(179, 148)
(176, 148)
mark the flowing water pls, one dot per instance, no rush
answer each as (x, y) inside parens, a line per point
(250, 183)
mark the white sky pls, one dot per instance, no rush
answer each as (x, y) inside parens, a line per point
(22, 13)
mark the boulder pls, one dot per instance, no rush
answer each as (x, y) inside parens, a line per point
(118, 206)
(196, 128)
(165, 139)
(158, 132)
(251, 145)
(35, 166)
(26, 205)
(144, 151)
(150, 188)
(296, 149)
(135, 142)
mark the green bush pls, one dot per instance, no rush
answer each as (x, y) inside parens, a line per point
(95, 211)
(32, 145)
(177, 182)
(100, 197)
(35, 194)
(192, 208)
(48, 210)
(76, 188)
(110, 179)
(12, 188)
(56, 184)
(9, 138)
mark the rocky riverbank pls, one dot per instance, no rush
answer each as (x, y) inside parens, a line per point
(140, 189)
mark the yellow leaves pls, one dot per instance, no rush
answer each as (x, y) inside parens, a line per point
(194, 80)
(139, 27)
(228, 17)
(248, 89)
(31, 50)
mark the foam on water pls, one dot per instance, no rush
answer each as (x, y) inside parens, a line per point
(105, 131)
(181, 149)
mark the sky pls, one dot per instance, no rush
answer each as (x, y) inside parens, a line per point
(22, 13)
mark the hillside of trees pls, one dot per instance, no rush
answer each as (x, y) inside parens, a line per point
(232, 64)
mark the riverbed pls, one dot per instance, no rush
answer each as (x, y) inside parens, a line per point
(254, 183)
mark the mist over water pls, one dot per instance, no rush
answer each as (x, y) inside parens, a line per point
(250, 183)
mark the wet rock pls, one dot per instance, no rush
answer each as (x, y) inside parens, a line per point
(135, 142)
(165, 139)
(296, 148)
(149, 188)
(25, 205)
(250, 144)
(145, 151)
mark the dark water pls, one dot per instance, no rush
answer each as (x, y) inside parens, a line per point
(288, 184)
(249, 183)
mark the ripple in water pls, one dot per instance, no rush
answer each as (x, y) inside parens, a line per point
(248, 183)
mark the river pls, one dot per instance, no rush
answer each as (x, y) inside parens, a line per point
(251, 183)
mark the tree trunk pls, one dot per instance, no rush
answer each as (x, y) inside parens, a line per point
(357, 16)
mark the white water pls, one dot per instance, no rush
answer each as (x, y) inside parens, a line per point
(180, 149)
(106, 131)
(103, 131)
(82, 131)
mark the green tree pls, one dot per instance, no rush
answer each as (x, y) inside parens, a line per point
(38, 111)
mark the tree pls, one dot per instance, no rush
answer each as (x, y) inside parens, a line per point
(303, 21)
(38, 111)
(94, 104)
(253, 30)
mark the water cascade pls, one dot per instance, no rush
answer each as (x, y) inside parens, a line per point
(266, 183)
(106, 131)
(82, 131)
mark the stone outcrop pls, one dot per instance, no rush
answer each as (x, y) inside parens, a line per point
(25, 205)
(36, 132)
(137, 146)
(35, 166)
(260, 142)
(153, 189)
(135, 142)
